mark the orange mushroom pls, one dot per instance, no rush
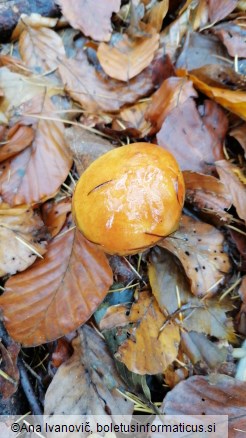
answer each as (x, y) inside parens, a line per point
(129, 198)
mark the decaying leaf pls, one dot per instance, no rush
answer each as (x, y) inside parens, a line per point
(96, 91)
(149, 350)
(210, 395)
(93, 18)
(9, 376)
(233, 37)
(229, 173)
(40, 48)
(233, 100)
(207, 193)
(33, 20)
(172, 35)
(127, 57)
(239, 133)
(242, 289)
(172, 94)
(85, 146)
(87, 383)
(173, 294)
(22, 239)
(17, 139)
(37, 172)
(199, 247)
(62, 352)
(59, 293)
(184, 133)
(157, 13)
(133, 117)
(219, 9)
(55, 215)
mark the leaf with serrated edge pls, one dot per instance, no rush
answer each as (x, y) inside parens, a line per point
(57, 294)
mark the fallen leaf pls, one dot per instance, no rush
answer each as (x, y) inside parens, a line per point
(40, 48)
(221, 75)
(149, 350)
(93, 19)
(173, 294)
(55, 214)
(36, 173)
(115, 316)
(239, 133)
(133, 117)
(59, 293)
(87, 383)
(22, 239)
(208, 194)
(233, 100)
(17, 139)
(199, 247)
(95, 91)
(10, 379)
(187, 137)
(62, 352)
(228, 174)
(157, 13)
(85, 146)
(217, 394)
(171, 36)
(33, 20)
(172, 94)
(127, 57)
(233, 36)
(242, 289)
(219, 9)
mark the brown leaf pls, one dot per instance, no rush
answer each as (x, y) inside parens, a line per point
(233, 100)
(17, 139)
(173, 294)
(186, 136)
(228, 174)
(62, 352)
(127, 57)
(55, 215)
(22, 239)
(212, 395)
(96, 91)
(59, 293)
(219, 9)
(33, 20)
(199, 247)
(207, 193)
(172, 94)
(87, 383)
(93, 19)
(242, 290)
(37, 172)
(149, 350)
(240, 135)
(9, 382)
(157, 13)
(85, 146)
(171, 36)
(221, 76)
(133, 117)
(40, 48)
(233, 37)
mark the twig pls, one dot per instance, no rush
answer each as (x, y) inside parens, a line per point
(28, 390)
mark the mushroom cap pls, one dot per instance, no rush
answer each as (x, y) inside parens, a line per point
(129, 198)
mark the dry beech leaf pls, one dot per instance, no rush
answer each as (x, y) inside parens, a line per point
(17, 139)
(22, 239)
(55, 215)
(9, 355)
(185, 134)
(233, 100)
(239, 133)
(172, 292)
(36, 173)
(40, 48)
(219, 9)
(171, 36)
(85, 146)
(199, 247)
(33, 20)
(133, 117)
(115, 316)
(216, 394)
(242, 289)
(87, 383)
(59, 293)
(157, 13)
(149, 351)
(208, 193)
(172, 94)
(92, 18)
(96, 91)
(233, 37)
(228, 174)
(62, 352)
(128, 57)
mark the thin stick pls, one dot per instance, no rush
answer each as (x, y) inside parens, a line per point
(28, 390)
